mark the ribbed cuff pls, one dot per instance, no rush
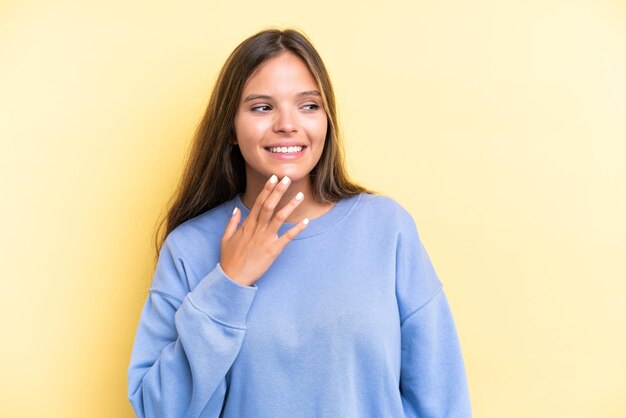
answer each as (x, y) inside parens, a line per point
(222, 298)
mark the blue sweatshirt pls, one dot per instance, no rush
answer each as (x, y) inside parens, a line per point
(349, 321)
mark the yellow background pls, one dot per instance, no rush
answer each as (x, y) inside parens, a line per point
(500, 125)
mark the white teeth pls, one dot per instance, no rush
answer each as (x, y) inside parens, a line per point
(285, 150)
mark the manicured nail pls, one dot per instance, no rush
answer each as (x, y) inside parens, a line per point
(235, 210)
(273, 179)
(299, 196)
(285, 180)
(305, 221)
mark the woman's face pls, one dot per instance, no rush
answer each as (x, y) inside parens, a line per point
(280, 124)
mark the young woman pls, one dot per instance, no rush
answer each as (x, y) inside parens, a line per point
(283, 289)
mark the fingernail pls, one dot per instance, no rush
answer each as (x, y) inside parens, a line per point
(235, 210)
(285, 180)
(273, 179)
(305, 221)
(299, 196)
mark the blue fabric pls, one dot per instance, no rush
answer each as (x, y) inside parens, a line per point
(350, 321)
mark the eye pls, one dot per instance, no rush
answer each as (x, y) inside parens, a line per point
(260, 108)
(312, 106)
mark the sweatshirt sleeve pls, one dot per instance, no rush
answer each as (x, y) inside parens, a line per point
(432, 377)
(433, 381)
(185, 345)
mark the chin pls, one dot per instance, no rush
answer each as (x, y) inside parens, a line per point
(294, 173)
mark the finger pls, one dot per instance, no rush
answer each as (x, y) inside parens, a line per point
(281, 216)
(269, 205)
(258, 203)
(291, 233)
(231, 226)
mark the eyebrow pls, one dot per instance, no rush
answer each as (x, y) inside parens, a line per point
(266, 97)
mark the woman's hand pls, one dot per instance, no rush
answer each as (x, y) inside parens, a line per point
(248, 252)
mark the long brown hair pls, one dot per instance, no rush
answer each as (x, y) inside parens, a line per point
(215, 169)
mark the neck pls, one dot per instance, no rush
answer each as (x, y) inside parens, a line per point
(308, 208)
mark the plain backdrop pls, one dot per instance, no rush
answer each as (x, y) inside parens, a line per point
(500, 125)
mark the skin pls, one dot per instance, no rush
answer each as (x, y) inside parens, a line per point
(248, 252)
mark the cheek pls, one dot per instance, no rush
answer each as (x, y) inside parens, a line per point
(324, 128)
(242, 132)
(317, 128)
(251, 128)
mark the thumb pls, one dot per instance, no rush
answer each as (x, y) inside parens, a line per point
(231, 227)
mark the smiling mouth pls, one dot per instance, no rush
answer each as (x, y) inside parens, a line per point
(286, 150)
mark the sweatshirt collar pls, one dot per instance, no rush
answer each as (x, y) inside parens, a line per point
(316, 225)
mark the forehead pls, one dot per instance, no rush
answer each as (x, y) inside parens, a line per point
(285, 71)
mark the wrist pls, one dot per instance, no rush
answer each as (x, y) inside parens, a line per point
(235, 277)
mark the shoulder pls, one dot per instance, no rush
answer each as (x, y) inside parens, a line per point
(389, 209)
(197, 233)
(189, 251)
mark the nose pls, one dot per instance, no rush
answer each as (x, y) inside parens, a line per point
(285, 121)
